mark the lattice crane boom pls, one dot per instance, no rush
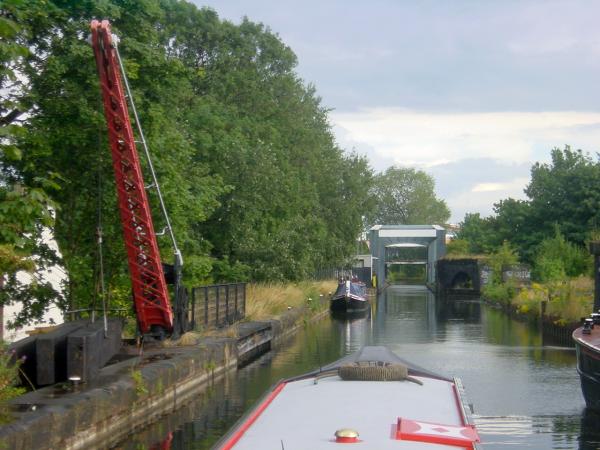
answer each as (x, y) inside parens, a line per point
(150, 294)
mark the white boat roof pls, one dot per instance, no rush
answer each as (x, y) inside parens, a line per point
(305, 415)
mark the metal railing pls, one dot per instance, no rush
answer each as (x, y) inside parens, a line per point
(217, 305)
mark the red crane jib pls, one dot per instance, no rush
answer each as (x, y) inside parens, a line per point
(150, 294)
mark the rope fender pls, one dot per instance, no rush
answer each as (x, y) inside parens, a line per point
(371, 372)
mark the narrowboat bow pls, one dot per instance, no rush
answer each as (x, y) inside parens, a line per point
(350, 296)
(372, 399)
(587, 344)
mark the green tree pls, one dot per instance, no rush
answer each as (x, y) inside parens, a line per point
(291, 189)
(406, 196)
(556, 258)
(565, 191)
(457, 247)
(66, 134)
(476, 231)
(253, 180)
(503, 257)
(26, 210)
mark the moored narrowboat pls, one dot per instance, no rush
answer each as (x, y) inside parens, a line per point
(587, 344)
(350, 296)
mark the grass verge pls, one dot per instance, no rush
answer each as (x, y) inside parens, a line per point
(269, 300)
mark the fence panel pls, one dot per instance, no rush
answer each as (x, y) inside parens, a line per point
(217, 305)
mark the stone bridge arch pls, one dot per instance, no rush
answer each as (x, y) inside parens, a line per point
(458, 276)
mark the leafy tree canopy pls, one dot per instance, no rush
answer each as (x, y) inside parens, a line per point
(557, 258)
(563, 193)
(26, 208)
(406, 196)
(254, 183)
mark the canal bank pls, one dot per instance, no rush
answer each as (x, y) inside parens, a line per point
(136, 391)
(556, 309)
(554, 330)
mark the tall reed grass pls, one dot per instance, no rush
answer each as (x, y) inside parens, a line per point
(566, 301)
(268, 300)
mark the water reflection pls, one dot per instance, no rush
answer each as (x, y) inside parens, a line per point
(589, 438)
(525, 394)
(354, 330)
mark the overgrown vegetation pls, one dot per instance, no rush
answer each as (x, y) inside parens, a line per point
(9, 381)
(565, 303)
(557, 259)
(271, 299)
(549, 231)
(457, 248)
(138, 381)
(561, 286)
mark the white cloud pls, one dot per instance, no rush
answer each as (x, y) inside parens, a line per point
(509, 186)
(482, 196)
(477, 159)
(429, 138)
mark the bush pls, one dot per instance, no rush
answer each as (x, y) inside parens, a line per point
(572, 299)
(557, 259)
(225, 271)
(457, 247)
(504, 256)
(549, 269)
(528, 301)
(500, 292)
(9, 380)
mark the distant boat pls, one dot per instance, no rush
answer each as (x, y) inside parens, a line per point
(587, 343)
(372, 399)
(350, 296)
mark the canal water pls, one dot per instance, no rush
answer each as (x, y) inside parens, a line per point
(524, 391)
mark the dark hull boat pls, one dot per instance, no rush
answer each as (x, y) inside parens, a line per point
(587, 343)
(350, 296)
(372, 399)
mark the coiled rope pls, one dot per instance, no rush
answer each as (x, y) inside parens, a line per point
(370, 371)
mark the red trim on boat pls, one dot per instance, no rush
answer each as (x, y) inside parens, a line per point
(435, 433)
(252, 418)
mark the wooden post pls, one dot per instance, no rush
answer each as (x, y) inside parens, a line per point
(237, 315)
(205, 307)
(543, 306)
(227, 315)
(193, 310)
(244, 301)
(218, 301)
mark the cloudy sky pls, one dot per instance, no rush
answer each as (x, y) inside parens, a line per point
(471, 91)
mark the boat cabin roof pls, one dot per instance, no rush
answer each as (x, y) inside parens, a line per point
(300, 414)
(306, 415)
